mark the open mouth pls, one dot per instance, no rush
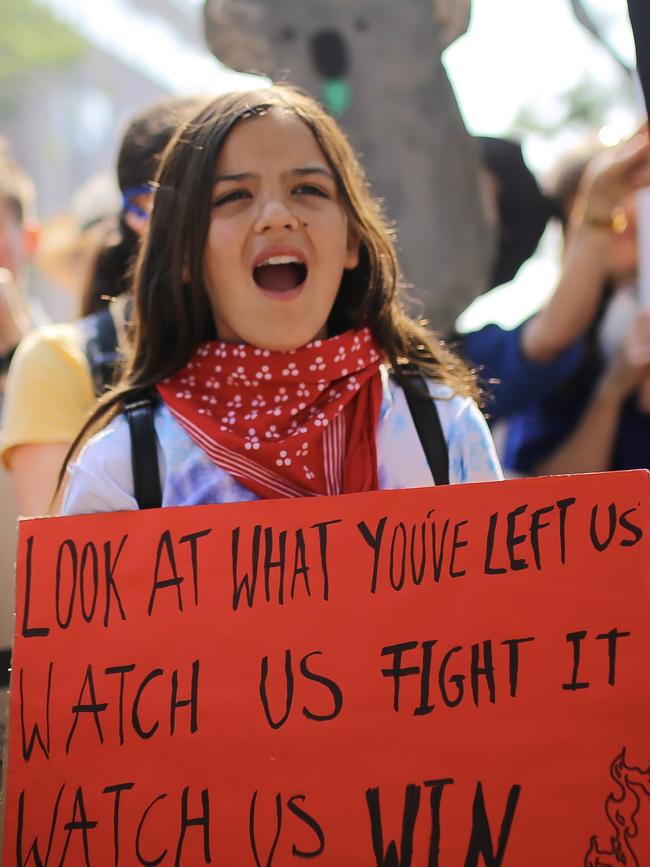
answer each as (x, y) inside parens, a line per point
(280, 273)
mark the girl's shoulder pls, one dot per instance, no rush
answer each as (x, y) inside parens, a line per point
(449, 404)
(100, 479)
(472, 456)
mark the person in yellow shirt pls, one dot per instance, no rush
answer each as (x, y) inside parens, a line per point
(58, 370)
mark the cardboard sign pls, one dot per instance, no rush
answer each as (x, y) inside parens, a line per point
(427, 678)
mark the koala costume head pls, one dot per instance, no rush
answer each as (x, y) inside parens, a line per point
(375, 64)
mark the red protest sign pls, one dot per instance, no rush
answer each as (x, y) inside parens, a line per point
(430, 677)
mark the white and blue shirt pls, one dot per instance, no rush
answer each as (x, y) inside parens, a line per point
(101, 479)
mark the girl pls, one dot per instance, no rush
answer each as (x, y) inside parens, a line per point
(266, 311)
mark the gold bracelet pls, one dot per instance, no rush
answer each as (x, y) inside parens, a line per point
(617, 221)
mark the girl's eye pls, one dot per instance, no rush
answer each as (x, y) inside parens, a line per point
(233, 196)
(310, 190)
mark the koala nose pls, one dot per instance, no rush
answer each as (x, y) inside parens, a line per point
(330, 57)
(329, 53)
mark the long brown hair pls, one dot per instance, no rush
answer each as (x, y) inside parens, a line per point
(172, 313)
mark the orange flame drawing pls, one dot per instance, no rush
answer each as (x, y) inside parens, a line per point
(621, 808)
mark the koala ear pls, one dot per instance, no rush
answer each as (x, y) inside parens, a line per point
(236, 32)
(452, 19)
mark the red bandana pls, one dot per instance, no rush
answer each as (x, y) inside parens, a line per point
(285, 424)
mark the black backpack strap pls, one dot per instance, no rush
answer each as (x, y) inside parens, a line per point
(427, 423)
(101, 349)
(144, 452)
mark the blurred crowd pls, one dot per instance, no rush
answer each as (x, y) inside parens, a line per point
(567, 389)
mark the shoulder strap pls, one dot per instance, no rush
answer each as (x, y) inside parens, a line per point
(101, 349)
(427, 423)
(144, 447)
(144, 453)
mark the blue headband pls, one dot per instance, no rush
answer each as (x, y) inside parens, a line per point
(128, 196)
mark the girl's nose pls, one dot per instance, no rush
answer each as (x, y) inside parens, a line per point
(275, 213)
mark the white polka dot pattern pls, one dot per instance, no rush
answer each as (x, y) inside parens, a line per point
(283, 421)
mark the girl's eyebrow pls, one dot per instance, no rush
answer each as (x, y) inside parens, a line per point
(301, 171)
(312, 170)
(240, 176)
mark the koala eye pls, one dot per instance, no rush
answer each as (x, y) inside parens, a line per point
(361, 24)
(288, 34)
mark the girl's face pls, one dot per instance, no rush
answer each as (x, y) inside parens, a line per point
(279, 238)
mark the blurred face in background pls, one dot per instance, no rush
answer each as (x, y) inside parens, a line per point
(14, 241)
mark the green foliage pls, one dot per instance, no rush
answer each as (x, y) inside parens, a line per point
(584, 106)
(32, 38)
(588, 104)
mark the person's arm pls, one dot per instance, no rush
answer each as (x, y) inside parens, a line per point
(49, 393)
(509, 378)
(611, 177)
(588, 449)
(36, 472)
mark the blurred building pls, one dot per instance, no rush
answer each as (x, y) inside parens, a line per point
(64, 122)
(67, 123)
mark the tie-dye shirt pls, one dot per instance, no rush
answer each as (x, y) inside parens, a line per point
(101, 479)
